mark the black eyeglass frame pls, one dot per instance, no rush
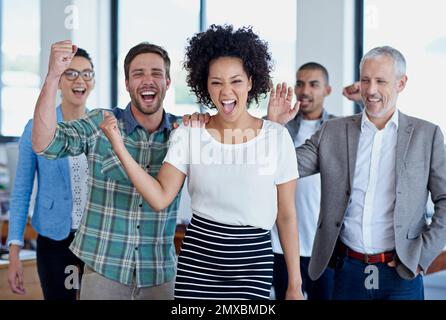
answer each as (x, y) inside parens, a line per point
(86, 74)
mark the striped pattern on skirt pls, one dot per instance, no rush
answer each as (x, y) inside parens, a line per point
(219, 261)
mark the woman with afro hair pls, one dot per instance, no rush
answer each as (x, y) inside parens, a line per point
(242, 174)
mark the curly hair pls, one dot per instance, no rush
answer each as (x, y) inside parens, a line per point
(223, 41)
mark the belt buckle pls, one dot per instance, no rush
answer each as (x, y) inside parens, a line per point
(366, 259)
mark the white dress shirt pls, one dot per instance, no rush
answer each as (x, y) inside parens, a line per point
(368, 224)
(308, 198)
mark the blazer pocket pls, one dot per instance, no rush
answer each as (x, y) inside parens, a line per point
(417, 226)
(413, 164)
(414, 233)
(46, 203)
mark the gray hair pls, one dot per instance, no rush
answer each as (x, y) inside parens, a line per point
(398, 59)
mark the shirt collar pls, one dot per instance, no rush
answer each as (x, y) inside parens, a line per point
(324, 117)
(392, 121)
(130, 123)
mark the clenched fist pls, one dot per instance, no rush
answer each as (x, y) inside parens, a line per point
(353, 92)
(61, 55)
(110, 128)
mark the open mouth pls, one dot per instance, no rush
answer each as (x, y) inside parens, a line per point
(228, 106)
(305, 101)
(373, 100)
(148, 96)
(79, 92)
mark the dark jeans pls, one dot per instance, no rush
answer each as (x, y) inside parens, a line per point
(321, 289)
(53, 258)
(379, 282)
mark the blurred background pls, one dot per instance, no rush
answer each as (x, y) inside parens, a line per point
(334, 33)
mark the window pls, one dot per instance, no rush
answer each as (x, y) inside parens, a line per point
(420, 35)
(20, 85)
(170, 23)
(275, 24)
(166, 23)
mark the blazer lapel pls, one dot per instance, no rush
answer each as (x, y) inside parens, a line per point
(63, 166)
(353, 132)
(405, 130)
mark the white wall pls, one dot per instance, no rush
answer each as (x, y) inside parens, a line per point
(52, 29)
(93, 35)
(325, 34)
(87, 24)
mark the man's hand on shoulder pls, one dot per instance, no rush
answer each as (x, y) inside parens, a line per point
(195, 120)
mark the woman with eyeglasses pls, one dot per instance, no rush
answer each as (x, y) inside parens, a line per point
(60, 199)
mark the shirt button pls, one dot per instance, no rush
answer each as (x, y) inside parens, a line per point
(347, 193)
(136, 248)
(140, 205)
(338, 224)
(137, 227)
(148, 166)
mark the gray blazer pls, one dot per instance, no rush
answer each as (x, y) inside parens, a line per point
(420, 167)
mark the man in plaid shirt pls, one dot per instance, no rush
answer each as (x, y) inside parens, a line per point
(127, 247)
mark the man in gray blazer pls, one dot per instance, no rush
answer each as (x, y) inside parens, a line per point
(376, 169)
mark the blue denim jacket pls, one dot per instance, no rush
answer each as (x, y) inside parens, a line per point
(53, 207)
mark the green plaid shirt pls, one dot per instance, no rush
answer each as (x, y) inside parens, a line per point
(120, 235)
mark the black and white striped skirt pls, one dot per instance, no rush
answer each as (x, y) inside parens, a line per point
(220, 261)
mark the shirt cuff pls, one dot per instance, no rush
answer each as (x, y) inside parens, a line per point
(16, 242)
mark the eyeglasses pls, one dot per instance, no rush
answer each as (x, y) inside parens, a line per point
(72, 74)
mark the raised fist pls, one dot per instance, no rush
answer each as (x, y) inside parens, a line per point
(353, 92)
(61, 55)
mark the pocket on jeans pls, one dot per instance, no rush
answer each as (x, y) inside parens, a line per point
(339, 262)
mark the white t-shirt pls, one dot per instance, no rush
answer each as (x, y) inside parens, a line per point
(308, 196)
(235, 184)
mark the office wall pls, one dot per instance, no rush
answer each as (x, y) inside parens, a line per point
(87, 24)
(325, 34)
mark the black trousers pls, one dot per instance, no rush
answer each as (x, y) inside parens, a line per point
(60, 271)
(321, 289)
